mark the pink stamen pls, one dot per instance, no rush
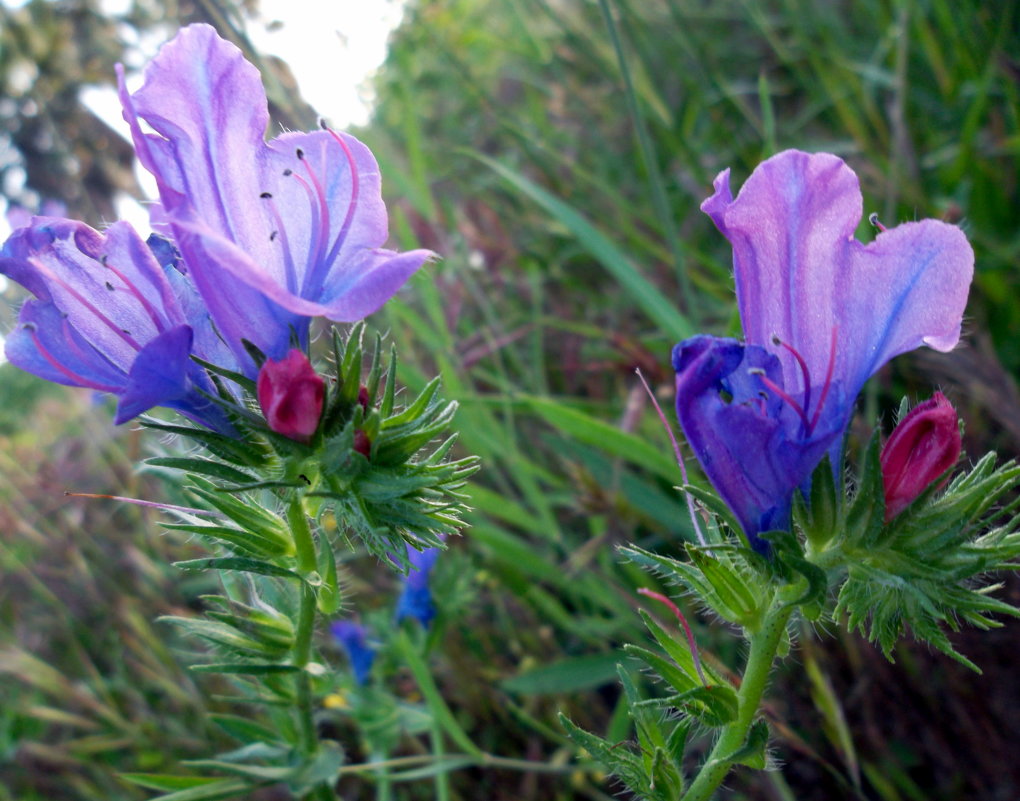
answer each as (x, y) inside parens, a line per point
(873, 219)
(352, 204)
(828, 380)
(687, 629)
(679, 455)
(774, 387)
(803, 370)
(321, 230)
(281, 234)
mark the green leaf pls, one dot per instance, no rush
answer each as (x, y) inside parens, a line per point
(206, 467)
(214, 790)
(753, 752)
(244, 730)
(620, 761)
(567, 675)
(159, 781)
(239, 563)
(244, 668)
(247, 542)
(866, 516)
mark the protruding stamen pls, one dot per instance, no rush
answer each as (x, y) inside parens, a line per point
(679, 455)
(782, 393)
(873, 219)
(828, 380)
(281, 233)
(316, 197)
(687, 629)
(352, 205)
(805, 373)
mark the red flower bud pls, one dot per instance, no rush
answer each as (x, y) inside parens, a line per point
(362, 444)
(291, 395)
(924, 445)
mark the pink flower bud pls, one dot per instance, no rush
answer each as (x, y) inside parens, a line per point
(924, 445)
(291, 395)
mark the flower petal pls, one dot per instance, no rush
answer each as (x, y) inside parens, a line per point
(800, 274)
(158, 375)
(752, 445)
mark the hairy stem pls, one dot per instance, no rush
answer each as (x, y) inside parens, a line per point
(304, 548)
(764, 645)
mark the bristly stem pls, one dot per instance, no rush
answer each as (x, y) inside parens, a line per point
(304, 547)
(765, 642)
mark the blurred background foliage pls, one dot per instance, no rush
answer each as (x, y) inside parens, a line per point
(554, 152)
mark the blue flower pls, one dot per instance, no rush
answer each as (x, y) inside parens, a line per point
(821, 312)
(352, 636)
(272, 233)
(107, 316)
(416, 598)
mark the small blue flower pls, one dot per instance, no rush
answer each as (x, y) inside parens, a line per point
(821, 312)
(416, 598)
(352, 636)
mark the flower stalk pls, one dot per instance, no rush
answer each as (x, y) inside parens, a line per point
(764, 645)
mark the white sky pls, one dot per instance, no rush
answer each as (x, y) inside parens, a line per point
(332, 48)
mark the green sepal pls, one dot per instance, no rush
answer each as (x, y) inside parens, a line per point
(865, 518)
(205, 467)
(617, 758)
(737, 602)
(235, 451)
(248, 514)
(788, 553)
(679, 652)
(753, 753)
(238, 378)
(227, 637)
(255, 352)
(716, 505)
(244, 542)
(327, 595)
(820, 519)
(239, 563)
(714, 706)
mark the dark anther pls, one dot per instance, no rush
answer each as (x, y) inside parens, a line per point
(323, 124)
(300, 153)
(288, 171)
(102, 259)
(30, 327)
(266, 195)
(125, 331)
(272, 236)
(110, 286)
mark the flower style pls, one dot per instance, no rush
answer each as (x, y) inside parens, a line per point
(821, 312)
(272, 233)
(108, 316)
(416, 598)
(291, 394)
(924, 445)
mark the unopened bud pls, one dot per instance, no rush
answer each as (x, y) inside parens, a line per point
(924, 445)
(362, 444)
(291, 395)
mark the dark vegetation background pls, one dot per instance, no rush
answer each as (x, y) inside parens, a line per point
(565, 206)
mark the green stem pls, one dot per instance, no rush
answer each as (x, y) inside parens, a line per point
(304, 548)
(764, 645)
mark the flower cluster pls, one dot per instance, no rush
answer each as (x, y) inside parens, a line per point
(253, 239)
(821, 312)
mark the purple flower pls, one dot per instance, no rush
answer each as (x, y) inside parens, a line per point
(416, 598)
(821, 312)
(272, 233)
(352, 636)
(108, 316)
